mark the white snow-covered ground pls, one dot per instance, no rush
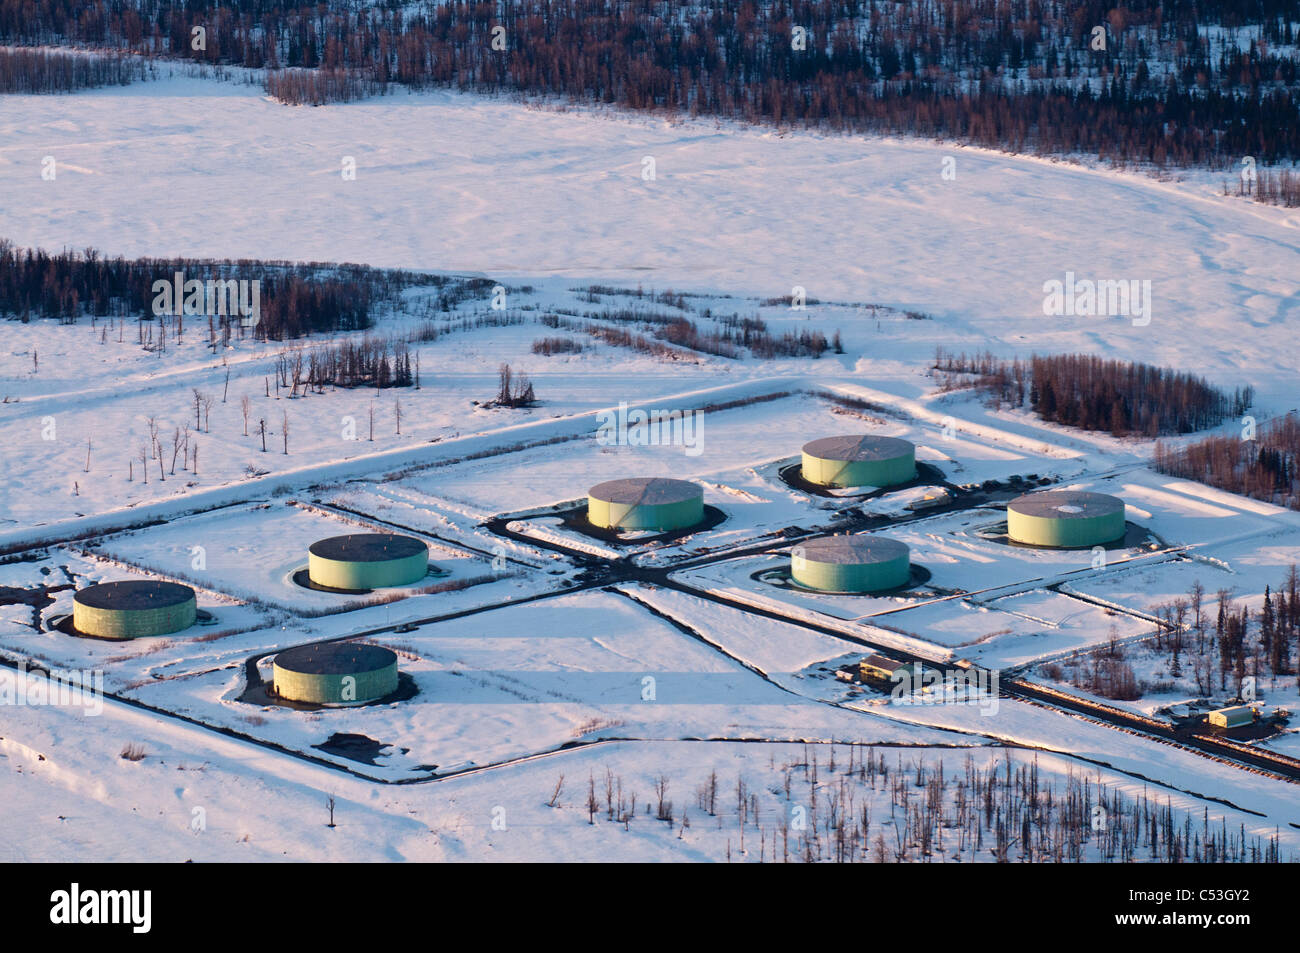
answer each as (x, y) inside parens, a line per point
(199, 796)
(456, 182)
(554, 201)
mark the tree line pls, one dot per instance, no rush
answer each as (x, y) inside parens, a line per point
(1026, 75)
(1264, 465)
(1271, 187)
(370, 362)
(862, 804)
(1266, 186)
(294, 299)
(726, 336)
(1227, 642)
(1207, 638)
(54, 71)
(1123, 398)
(315, 87)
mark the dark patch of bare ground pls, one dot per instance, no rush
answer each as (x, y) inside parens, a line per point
(37, 597)
(359, 748)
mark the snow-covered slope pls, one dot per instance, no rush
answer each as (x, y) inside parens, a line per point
(455, 182)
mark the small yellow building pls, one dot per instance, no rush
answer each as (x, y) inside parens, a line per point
(1236, 717)
(880, 668)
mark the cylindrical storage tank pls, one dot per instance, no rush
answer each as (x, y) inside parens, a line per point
(862, 563)
(367, 561)
(133, 609)
(1065, 519)
(335, 673)
(859, 460)
(654, 503)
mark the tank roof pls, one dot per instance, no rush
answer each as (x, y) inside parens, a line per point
(858, 447)
(861, 549)
(646, 491)
(134, 594)
(336, 658)
(1066, 504)
(368, 547)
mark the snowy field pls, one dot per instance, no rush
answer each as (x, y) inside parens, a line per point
(459, 183)
(520, 680)
(543, 652)
(203, 797)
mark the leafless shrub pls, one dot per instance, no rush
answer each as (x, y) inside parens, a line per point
(133, 752)
(316, 87)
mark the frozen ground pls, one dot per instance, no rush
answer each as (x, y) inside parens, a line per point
(197, 796)
(525, 679)
(555, 201)
(456, 182)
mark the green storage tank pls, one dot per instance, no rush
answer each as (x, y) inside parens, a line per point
(646, 503)
(862, 563)
(1066, 519)
(335, 673)
(133, 609)
(859, 460)
(367, 561)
